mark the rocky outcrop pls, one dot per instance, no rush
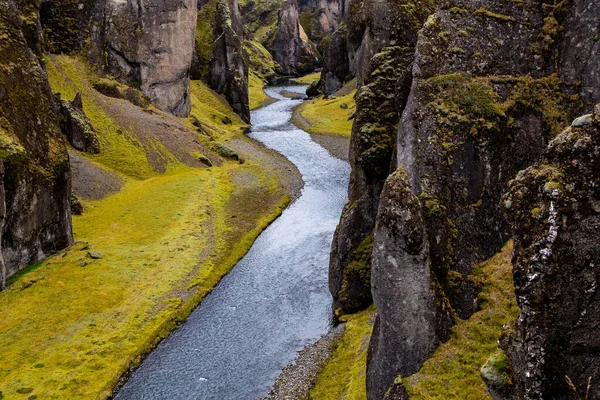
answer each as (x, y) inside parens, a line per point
(219, 56)
(554, 210)
(487, 93)
(320, 18)
(147, 44)
(36, 182)
(368, 27)
(290, 45)
(228, 67)
(380, 99)
(403, 337)
(77, 127)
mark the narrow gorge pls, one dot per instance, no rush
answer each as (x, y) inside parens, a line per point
(300, 199)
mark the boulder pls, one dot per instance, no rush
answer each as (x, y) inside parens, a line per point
(76, 126)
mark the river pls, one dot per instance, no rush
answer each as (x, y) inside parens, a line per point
(274, 302)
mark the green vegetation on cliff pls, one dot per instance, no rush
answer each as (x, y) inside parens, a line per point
(344, 375)
(453, 371)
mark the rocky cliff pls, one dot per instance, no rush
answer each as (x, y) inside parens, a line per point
(219, 56)
(290, 46)
(554, 210)
(387, 35)
(147, 44)
(480, 92)
(36, 180)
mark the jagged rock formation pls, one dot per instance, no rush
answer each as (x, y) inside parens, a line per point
(36, 181)
(290, 46)
(380, 99)
(147, 43)
(369, 26)
(219, 56)
(77, 127)
(320, 18)
(554, 209)
(400, 276)
(488, 89)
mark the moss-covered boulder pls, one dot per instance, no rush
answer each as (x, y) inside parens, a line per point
(36, 180)
(77, 127)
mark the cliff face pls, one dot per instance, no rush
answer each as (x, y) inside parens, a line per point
(489, 89)
(148, 44)
(290, 46)
(381, 97)
(554, 209)
(36, 180)
(228, 67)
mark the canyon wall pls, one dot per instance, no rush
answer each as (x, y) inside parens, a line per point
(36, 180)
(461, 107)
(147, 44)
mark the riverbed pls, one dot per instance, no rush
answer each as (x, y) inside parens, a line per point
(276, 299)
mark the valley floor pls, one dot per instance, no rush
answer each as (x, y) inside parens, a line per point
(147, 250)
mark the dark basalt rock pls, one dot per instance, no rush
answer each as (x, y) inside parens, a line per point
(147, 44)
(66, 24)
(36, 182)
(290, 46)
(404, 336)
(486, 96)
(554, 210)
(228, 67)
(76, 126)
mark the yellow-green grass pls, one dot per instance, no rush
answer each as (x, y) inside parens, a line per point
(453, 370)
(344, 375)
(257, 96)
(71, 326)
(120, 150)
(308, 79)
(326, 116)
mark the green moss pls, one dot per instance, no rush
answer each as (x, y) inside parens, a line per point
(207, 18)
(497, 369)
(344, 375)
(355, 293)
(261, 61)
(500, 17)
(456, 50)
(431, 205)
(309, 79)
(453, 371)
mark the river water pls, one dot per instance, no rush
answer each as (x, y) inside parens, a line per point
(276, 299)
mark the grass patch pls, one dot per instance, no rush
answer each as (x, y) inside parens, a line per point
(453, 372)
(327, 116)
(344, 375)
(257, 96)
(308, 79)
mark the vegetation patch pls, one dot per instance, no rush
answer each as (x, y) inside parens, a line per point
(328, 116)
(453, 372)
(308, 79)
(344, 375)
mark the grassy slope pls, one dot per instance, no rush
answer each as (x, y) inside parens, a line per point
(453, 370)
(344, 377)
(308, 79)
(73, 325)
(326, 116)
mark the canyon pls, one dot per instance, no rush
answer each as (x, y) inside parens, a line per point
(141, 163)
